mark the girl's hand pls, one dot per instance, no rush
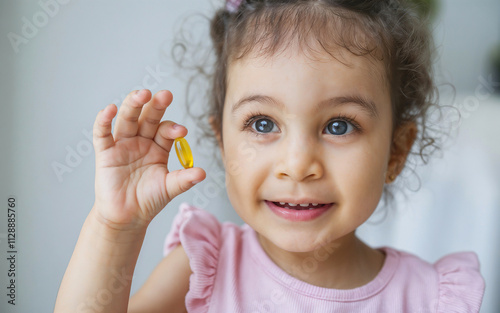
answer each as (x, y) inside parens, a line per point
(132, 181)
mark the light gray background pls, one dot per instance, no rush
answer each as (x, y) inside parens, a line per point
(92, 53)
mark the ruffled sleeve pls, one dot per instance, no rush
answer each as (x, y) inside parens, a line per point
(199, 233)
(461, 286)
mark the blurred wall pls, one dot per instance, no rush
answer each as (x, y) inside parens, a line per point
(82, 55)
(465, 33)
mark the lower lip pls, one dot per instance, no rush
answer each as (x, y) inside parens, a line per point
(298, 215)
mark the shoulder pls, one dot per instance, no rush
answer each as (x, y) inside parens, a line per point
(204, 239)
(453, 283)
(460, 282)
(193, 227)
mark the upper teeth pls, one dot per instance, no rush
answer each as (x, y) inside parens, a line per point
(302, 204)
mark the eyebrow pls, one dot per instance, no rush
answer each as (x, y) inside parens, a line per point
(364, 104)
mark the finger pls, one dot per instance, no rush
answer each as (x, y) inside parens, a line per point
(102, 137)
(152, 113)
(167, 132)
(127, 124)
(180, 181)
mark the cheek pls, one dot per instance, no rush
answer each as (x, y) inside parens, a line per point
(240, 156)
(359, 172)
(245, 169)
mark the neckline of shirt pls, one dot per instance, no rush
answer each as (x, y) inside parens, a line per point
(280, 276)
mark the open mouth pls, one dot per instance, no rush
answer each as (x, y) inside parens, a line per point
(299, 212)
(302, 206)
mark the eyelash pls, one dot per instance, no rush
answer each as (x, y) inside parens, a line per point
(252, 117)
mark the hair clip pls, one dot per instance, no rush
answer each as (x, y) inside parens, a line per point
(233, 5)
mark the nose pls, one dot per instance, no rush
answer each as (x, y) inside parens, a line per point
(300, 160)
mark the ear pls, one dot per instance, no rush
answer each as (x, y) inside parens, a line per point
(217, 132)
(402, 141)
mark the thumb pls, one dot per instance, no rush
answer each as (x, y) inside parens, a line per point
(180, 181)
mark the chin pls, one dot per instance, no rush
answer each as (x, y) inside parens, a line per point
(297, 242)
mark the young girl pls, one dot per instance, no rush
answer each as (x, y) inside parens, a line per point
(315, 107)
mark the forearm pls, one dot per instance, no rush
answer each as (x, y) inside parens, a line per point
(99, 275)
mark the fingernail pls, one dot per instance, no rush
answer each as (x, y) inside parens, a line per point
(195, 182)
(138, 92)
(176, 126)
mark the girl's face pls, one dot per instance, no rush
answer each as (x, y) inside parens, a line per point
(306, 131)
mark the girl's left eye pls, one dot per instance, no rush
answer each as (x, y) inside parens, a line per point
(339, 127)
(264, 125)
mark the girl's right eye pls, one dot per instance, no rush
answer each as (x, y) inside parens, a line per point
(259, 124)
(264, 125)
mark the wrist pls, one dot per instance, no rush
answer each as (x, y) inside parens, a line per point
(119, 233)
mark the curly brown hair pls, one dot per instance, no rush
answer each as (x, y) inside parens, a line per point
(390, 31)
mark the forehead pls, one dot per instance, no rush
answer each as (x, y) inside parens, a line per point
(337, 67)
(314, 57)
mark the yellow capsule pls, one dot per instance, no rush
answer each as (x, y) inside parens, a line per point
(183, 152)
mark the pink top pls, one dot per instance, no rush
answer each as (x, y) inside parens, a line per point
(232, 273)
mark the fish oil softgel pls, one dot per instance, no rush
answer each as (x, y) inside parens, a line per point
(183, 152)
